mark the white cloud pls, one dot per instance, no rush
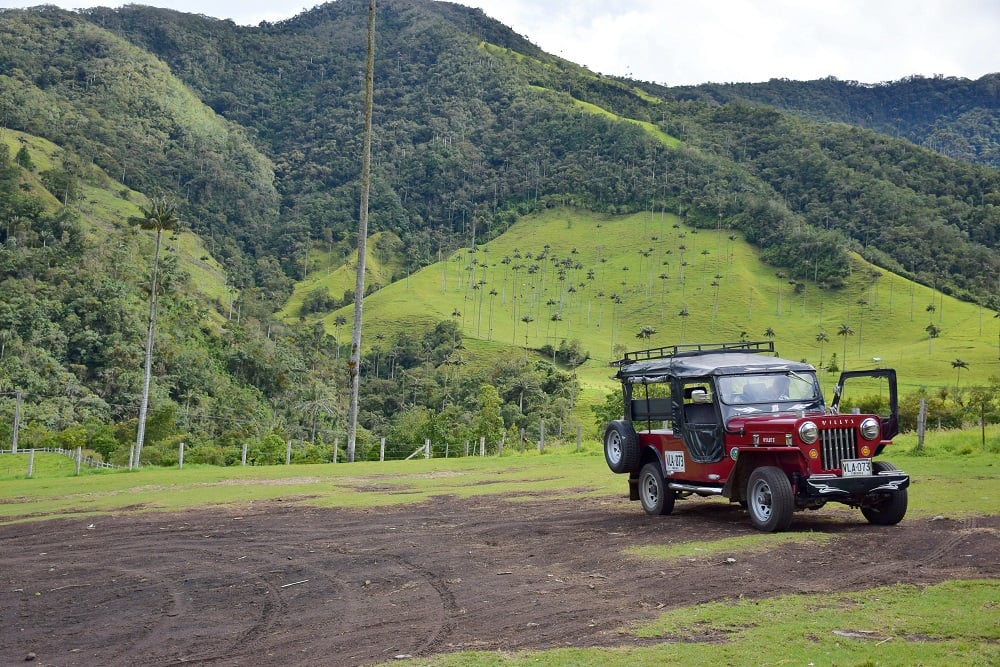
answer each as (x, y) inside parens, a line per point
(695, 41)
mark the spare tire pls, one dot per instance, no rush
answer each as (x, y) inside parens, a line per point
(621, 447)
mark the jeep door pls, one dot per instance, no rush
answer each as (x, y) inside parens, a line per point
(871, 392)
(701, 424)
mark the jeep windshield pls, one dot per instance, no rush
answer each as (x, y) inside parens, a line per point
(784, 391)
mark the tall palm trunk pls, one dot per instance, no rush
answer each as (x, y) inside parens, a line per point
(354, 364)
(144, 405)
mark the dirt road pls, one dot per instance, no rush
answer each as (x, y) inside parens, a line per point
(285, 584)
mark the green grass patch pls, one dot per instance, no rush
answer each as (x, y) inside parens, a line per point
(953, 623)
(749, 544)
(54, 491)
(943, 483)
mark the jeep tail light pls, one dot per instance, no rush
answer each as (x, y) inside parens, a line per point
(809, 432)
(869, 429)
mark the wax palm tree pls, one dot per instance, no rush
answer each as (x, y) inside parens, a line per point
(354, 363)
(683, 314)
(845, 330)
(161, 215)
(821, 338)
(958, 364)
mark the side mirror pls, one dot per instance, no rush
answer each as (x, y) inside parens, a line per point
(701, 397)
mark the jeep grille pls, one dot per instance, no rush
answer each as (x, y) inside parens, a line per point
(837, 444)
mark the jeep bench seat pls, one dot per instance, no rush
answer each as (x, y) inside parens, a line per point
(651, 409)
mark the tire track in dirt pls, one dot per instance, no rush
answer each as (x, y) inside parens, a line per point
(287, 584)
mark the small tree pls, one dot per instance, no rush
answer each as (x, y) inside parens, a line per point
(23, 159)
(646, 332)
(932, 333)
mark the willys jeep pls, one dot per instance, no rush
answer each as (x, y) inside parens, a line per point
(733, 420)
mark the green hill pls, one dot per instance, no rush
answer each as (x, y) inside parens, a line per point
(564, 268)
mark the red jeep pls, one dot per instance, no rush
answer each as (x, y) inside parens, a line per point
(731, 419)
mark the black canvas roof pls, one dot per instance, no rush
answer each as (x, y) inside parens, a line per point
(702, 363)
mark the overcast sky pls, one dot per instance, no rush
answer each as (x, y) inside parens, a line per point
(678, 42)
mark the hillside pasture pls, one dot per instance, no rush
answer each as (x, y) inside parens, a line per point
(568, 274)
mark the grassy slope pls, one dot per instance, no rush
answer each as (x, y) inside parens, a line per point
(751, 298)
(327, 272)
(102, 208)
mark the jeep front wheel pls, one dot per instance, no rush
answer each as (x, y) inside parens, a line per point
(621, 447)
(769, 499)
(655, 496)
(888, 508)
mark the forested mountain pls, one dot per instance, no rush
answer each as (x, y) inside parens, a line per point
(476, 125)
(256, 133)
(956, 117)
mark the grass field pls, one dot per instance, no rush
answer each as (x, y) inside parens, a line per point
(949, 459)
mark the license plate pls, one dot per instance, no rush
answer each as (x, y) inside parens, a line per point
(856, 467)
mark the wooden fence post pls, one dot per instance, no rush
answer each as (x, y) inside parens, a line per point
(131, 456)
(180, 457)
(79, 459)
(427, 448)
(336, 445)
(31, 462)
(541, 436)
(921, 424)
(466, 447)
(381, 449)
(243, 456)
(17, 422)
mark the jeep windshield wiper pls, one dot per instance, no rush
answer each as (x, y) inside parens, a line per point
(800, 377)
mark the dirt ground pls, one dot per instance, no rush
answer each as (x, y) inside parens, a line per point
(284, 584)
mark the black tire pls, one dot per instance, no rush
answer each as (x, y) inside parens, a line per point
(621, 447)
(654, 495)
(769, 499)
(889, 508)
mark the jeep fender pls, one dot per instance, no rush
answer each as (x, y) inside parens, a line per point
(789, 459)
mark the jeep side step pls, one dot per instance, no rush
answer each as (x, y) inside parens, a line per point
(692, 488)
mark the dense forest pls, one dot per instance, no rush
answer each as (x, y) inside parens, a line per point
(952, 116)
(255, 132)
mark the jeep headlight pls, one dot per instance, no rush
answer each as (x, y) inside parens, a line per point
(809, 432)
(869, 429)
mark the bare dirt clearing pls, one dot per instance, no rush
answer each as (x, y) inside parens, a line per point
(283, 583)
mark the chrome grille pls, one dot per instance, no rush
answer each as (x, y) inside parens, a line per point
(837, 444)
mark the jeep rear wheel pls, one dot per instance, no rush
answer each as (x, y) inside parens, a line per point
(769, 499)
(654, 495)
(621, 447)
(888, 508)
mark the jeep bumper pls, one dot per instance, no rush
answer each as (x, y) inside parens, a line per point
(821, 486)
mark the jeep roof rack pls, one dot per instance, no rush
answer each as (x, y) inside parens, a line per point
(700, 348)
